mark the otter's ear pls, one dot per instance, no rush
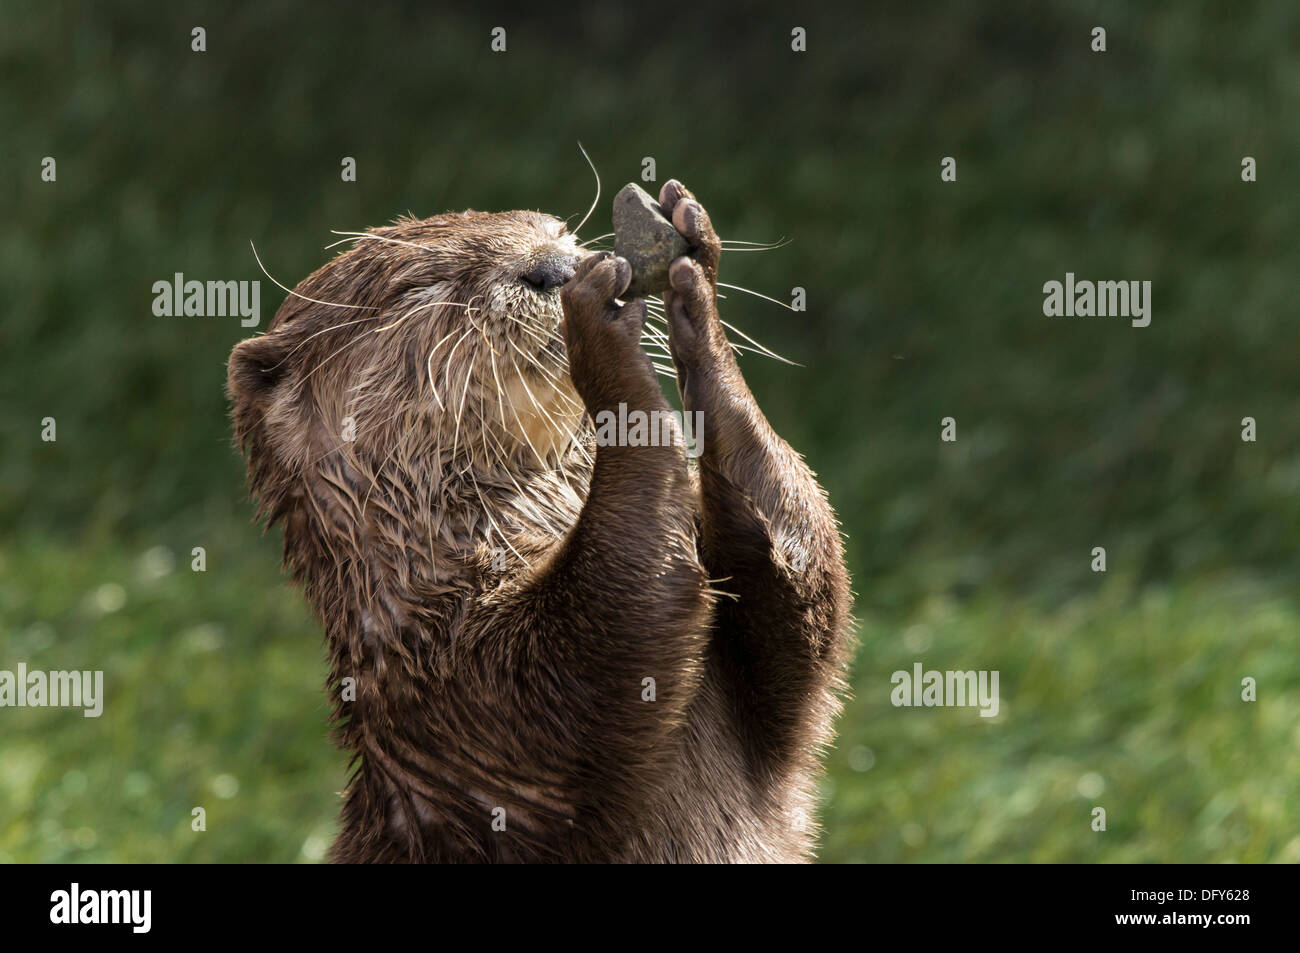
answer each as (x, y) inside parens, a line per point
(256, 366)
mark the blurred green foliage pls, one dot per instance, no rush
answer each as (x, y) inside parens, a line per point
(925, 301)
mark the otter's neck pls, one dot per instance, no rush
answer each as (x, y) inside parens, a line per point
(391, 563)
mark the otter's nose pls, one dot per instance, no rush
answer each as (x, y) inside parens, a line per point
(551, 272)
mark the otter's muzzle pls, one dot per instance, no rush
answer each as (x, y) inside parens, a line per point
(551, 272)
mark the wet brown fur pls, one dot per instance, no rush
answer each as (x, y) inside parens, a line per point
(499, 599)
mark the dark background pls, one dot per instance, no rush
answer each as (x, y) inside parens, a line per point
(1119, 690)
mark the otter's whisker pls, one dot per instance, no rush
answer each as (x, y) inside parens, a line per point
(555, 427)
(524, 497)
(470, 309)
(482, 331)
(437, 303)
(432, 386)
(460, 412)
(530, 331)
(561, 384)
(533, 362)
(498, 463)
(375, 317)
(331, 304)
(456, 347)
(307, 377)
(377, 238)
(376, 330)
(492, 523)
(500, 390)
(541, 462)
(337, 327)
(761, 349)
(728, 243)
(747, 291)
(757, 348)
(429, 365)
(596, 200)
(654, 333)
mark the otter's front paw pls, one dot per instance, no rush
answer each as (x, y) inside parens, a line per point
(603, 338)
(696, 336)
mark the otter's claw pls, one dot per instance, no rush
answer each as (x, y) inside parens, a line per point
(692, 221)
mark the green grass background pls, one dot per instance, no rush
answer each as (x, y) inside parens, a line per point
(1119, 690)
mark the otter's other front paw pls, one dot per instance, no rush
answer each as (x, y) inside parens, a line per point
(696, 336)
(602, 337)
(692, 221)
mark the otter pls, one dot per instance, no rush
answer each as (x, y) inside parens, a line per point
(541, 648)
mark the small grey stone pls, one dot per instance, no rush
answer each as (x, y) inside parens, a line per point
(646, 239)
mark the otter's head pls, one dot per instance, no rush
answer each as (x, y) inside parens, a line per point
(438, 338)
